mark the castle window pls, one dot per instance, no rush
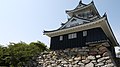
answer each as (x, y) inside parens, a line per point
(61, 38)
(84, 33)
(73, 35)
(85, 15)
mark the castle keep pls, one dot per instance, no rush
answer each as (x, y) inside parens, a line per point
(84, 27)
(85, 40)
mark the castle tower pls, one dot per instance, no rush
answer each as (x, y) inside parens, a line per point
(84, 27)
(85, 40)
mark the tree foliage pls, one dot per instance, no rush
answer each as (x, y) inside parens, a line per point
(19, 54)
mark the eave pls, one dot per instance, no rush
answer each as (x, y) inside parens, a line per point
(102, 23)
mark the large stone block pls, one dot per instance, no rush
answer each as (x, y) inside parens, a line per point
(89, 65)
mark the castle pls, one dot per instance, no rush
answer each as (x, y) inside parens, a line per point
(85, 26)
(85, 29)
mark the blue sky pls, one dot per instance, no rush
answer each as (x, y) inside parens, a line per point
(25, 20)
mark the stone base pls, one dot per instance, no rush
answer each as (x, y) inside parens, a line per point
(92, 56)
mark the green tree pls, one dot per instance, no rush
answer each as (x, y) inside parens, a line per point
(4, 56)
(18, 54)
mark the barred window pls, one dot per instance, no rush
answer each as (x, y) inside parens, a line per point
(73, 35)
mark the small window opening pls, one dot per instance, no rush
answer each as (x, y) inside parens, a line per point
(84, 33)
(61, 38)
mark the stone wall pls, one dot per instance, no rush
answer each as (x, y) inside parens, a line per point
(93, 56)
